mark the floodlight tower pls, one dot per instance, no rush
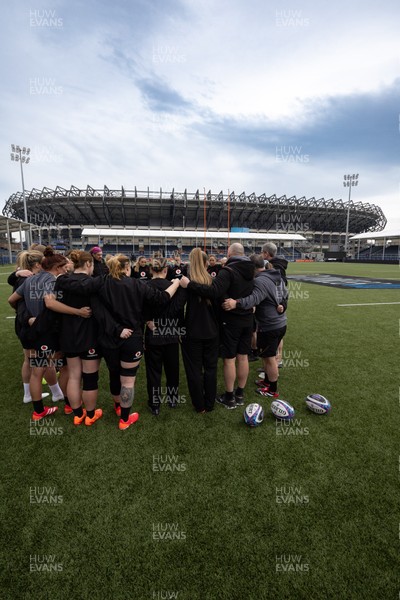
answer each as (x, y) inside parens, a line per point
(21, 155)
(349, 181)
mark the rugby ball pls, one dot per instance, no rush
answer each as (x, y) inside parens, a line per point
(253, 414)
(282, 410)
(318, 404)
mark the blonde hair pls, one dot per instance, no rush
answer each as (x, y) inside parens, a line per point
(27, 259)
(198, 271)
(117, 264)
(158, 264)
(38, 247)
(136, 267)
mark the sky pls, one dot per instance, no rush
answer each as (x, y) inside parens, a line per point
(254, 96)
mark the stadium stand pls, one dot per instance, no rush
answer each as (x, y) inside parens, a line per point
(59, 217)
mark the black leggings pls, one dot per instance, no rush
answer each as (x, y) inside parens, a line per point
(157, 356)
(200, 358)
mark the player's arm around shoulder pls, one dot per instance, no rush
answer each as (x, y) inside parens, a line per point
(259, 293)
(217, 289)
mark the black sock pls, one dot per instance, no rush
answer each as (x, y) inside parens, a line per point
(78, 412)
(66, 401)
(266, 377)
(117, 404)
(38, 406)
(239, 391)
(125, 412)
(90, 413)
(228, 395)
(273, 386)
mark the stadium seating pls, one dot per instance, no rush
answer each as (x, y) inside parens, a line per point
(376, 253)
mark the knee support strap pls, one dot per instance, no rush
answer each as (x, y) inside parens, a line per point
(90, 381)
(130, 372)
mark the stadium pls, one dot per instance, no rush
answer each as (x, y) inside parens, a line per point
(188, 482)
(179, 488)
(141, 222)
(156, 130)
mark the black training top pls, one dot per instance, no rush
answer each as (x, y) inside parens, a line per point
(235, 280)
(213, 271)
(77, 334)
(100, 268)
(176, 271)
(142, 273)
(168, 318)
(125, 299)
(201, 320)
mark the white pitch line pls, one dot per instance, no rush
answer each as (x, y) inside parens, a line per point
(369, 304)
(10, 317)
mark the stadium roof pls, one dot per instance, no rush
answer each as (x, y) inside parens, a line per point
(394, 233)
(172, 233)
(9, 226)
(105, 207)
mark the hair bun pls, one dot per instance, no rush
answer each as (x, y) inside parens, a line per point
(48, 251)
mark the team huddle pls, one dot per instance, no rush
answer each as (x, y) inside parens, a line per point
(73, 311)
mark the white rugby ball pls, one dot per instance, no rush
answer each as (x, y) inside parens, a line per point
(318, 404)
(253, 415)
(282, 410)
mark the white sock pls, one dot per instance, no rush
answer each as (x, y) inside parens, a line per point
(56, 391)
(27, 391)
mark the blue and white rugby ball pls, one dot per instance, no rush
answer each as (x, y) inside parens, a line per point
(318, 404)
(253, 415)
(282, 410)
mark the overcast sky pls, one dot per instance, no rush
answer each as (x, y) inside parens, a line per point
(239, 95)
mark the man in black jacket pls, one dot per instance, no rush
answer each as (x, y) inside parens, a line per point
(269, 296)
(235, 280)
(100, 267)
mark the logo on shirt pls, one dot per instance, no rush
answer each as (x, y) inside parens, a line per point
(213, 274)
(92, 351)
(142, 274)
(44, 348)
(138, 353)
(178, 271)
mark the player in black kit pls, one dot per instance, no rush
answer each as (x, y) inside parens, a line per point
(78, 341)
(163, 331)
(121, 327)
(213, 267)
(141, 270)
(200, 343)
(177, 270)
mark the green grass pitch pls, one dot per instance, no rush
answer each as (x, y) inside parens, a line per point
(307, 510)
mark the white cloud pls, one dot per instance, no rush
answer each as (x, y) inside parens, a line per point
(225, 67)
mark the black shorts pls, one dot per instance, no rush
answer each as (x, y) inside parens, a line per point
(235, 339)
(45, 357)
(91, 354)
(47, 343)
(25, 345)
(130, 351)
(268, 341)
